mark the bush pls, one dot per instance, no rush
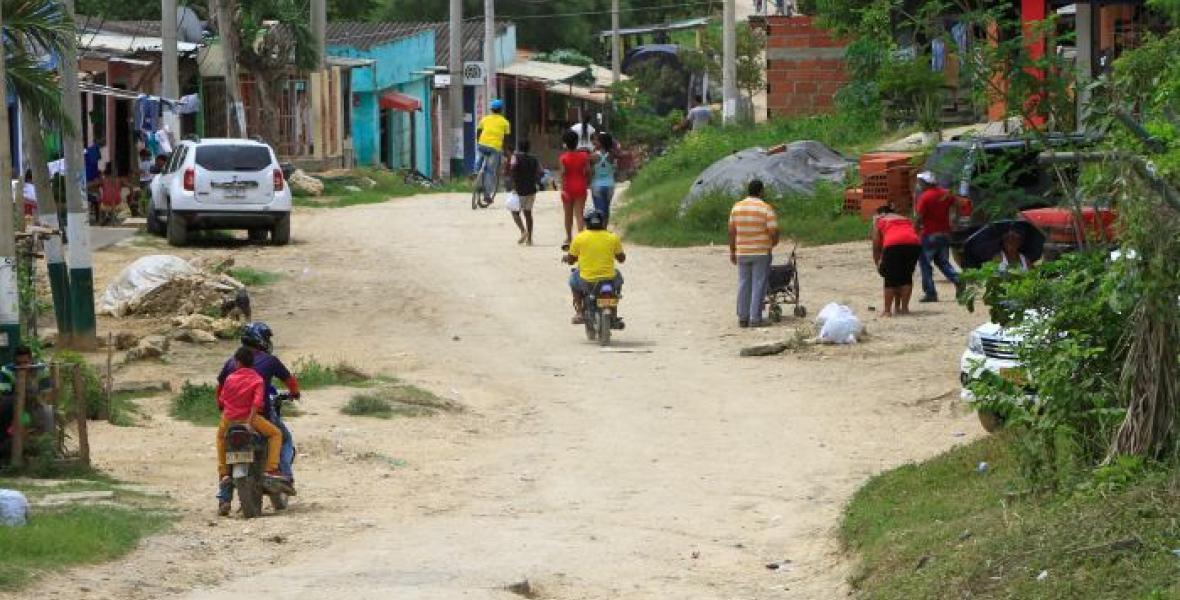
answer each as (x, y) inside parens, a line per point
(251, 277)
(313, 374)
(397, 399)
(197, 404)
(91, 381)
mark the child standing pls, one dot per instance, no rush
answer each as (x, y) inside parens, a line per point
(240, 399)
(526, 177)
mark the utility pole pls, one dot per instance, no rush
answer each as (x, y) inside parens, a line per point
(226, 11)
(489, 47)
(616, 44)
(81, 276)
(169, 68)
(55, 259)
(319, 29)
(9, 292)
(729, 64)
(455, 91)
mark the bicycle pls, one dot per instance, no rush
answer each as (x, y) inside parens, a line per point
(480, 197)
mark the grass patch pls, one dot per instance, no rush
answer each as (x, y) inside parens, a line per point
(650, 213)
(652, 218)
(397, 400)
(124, 409)
(359, 188)
(942, 529)
(313, 374)
(252, 277)
(57, 539)
(197, 404)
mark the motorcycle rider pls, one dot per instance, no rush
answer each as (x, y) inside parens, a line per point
(257, 337)
(594, 252)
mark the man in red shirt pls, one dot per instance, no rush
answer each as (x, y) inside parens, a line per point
(241, 398)
(932, 214)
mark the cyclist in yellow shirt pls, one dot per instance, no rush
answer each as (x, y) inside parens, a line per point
(594, 251)
(490, 134)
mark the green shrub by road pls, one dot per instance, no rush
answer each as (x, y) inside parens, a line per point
(944, 529)
(650, 213)
(388, 185)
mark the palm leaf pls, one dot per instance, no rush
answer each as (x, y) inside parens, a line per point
(31, 28)
(38, 89)
(41, 24)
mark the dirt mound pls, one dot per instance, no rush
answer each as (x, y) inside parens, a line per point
(182, 296)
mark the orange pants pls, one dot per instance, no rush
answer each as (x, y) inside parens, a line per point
(274, 442)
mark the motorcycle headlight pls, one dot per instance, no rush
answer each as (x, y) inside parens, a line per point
(975, 343)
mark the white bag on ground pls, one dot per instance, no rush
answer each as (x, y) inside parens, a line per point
(513, 202)
(14, 508)
(838, 325)
(139, 278)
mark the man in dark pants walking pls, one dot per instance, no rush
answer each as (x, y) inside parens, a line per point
(932, 213)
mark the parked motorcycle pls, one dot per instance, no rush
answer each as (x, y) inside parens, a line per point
(245, 455)
(600, 308)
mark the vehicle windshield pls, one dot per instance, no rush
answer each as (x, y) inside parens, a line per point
(233, 158)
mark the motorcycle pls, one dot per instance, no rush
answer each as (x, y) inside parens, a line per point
(245, 455)
(600, 309)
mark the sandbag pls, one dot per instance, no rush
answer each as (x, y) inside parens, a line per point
(139, 279)
(14, 508)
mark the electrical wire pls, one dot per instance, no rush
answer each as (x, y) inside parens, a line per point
(630, 9)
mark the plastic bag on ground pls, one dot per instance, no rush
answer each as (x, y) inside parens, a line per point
(513, 202)
(140, 278)
(14, 508)
(838, 325)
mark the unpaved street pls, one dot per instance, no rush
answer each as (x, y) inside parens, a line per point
(674, 470)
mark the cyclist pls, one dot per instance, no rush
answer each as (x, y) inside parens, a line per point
(490, 135)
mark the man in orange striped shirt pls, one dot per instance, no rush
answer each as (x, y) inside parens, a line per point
(753, 233)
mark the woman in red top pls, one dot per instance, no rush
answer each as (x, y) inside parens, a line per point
(896, 248)
(575, 184)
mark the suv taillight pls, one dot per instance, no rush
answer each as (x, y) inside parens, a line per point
(278, 177)
(190, 179)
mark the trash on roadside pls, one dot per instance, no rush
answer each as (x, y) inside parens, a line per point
(1043, 575)
(14, 508)
(982, 467)
(164, 285)
(838, 325)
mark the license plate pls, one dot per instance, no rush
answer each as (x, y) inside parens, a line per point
(234, 458)
(608, 302)
(1014, 375)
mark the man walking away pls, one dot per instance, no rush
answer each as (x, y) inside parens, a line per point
(526, 175)
(698, 116)
(933, 218)
(753, 233)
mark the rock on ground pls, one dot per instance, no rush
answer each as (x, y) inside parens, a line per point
(306, 184)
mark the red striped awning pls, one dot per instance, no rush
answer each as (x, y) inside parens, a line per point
(399, 101)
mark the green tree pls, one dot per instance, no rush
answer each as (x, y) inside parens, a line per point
(268, 50)
(751, 70)
(32, 27)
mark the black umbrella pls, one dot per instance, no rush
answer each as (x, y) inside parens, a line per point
(985, 244)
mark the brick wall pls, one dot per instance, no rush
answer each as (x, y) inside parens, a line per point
(804, 67)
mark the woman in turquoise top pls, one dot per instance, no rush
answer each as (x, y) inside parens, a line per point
(602, 184)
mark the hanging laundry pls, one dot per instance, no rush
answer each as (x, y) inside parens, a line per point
(959, 33)
(162, 142)
(937, 55)
(188, 105)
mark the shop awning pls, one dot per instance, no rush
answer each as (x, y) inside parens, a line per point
(545, 72)
(399, 101)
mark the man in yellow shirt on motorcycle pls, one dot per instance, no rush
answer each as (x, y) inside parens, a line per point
(594, 251)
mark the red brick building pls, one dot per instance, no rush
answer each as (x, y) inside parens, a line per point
(804, 67)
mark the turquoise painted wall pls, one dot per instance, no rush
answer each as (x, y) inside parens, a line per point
(394, 70)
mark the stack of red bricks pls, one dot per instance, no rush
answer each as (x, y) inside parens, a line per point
(804, 67)
(886, 178)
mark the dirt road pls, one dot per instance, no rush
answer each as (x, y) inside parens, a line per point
(673, 470)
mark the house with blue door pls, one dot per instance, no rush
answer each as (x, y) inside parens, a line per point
(391, 98)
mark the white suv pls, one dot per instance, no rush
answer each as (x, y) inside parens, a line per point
(221, 184)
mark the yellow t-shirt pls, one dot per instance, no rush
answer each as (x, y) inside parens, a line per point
(493, 129)
(596, 251)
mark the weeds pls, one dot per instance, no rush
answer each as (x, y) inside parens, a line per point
(124, 410)
(356, 189)
(397, 400)
(313, 374)
(197, 404)
(252, 277)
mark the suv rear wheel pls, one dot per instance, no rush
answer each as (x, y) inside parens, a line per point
(280, 233)
(177, 230)
(258, 236)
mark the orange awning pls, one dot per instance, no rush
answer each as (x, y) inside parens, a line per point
(399, 101)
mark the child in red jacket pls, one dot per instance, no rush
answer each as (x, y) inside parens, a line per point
(240, 398)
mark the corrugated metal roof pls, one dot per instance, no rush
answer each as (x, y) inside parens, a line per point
(472, 41)
(350, 63)
(645, 29)
(362, 36)
(111, 42)
(542, 71)
(582, 93)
